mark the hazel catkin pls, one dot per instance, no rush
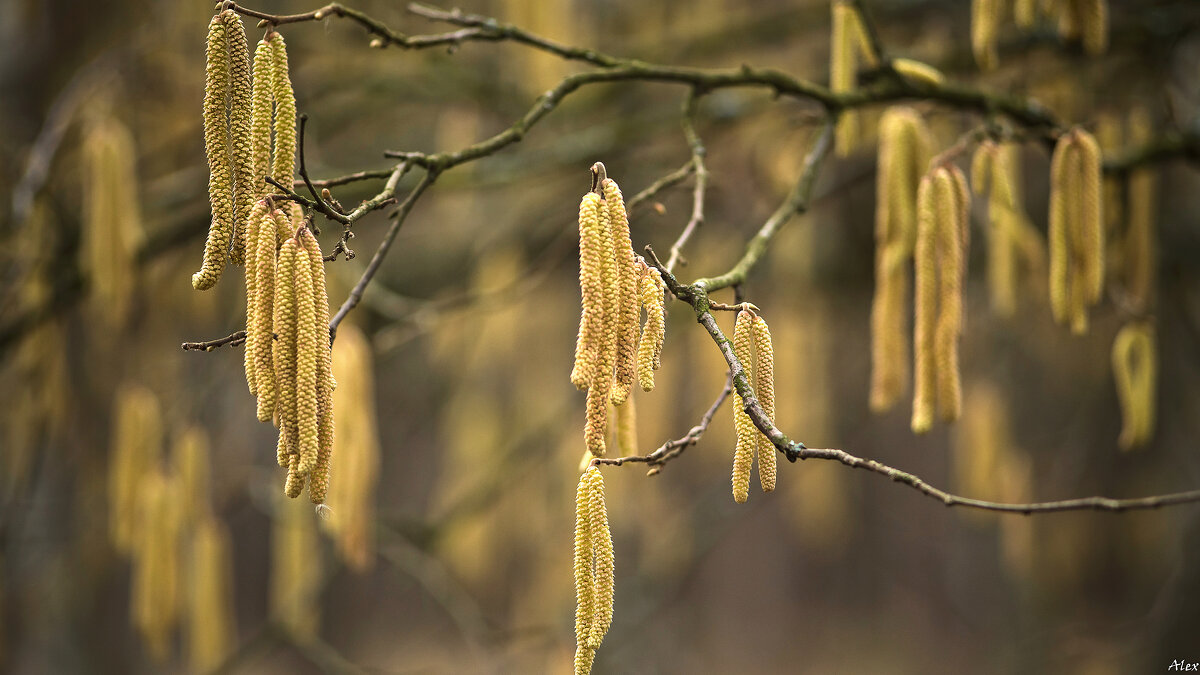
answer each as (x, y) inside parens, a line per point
(216, 136)
(764, 388)
(904, 148)
(284, 348)
(649, 354)
(594, 562)
(591, 246)
(627, 301)
(743, 454)
(253, 224)
(1076, 228)
(240, 141)
(283, 166)
(1135, 368)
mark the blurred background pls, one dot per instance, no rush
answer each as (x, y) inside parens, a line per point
(142, 523)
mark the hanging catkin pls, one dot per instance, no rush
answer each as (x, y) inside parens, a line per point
(220, 172)
(190, 464)
(1076, 228)
(295, 575)
(592, 244)
(112, 228)
(743, 453)
(240, 141)
(940, 257)
(309, 338)
(283, 167)
(764, 388)
(319, 479)
(253, 224)
(260, 336)
(352, 496)
(593, 562)
(994, 172)
(262, 95)
(628, 302)
(604, 344)
(284, 350)
(848, 44)
(1135, 368)
(155, 587)
(211, 620)
(904, 148)
(985, 29)
(136, 449)
(650, 346)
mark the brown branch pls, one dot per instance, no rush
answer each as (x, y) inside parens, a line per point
(674, 448)
(795, 203)
(398, 216)
(232, 340)
(701, 170)
(347, 179)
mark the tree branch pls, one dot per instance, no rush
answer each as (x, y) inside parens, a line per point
(233, 340)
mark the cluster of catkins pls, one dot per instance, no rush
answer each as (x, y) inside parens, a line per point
(287, 359)
(1082, 20)
(753, 349)
(922, 214)
(615, 285)
(593, 569)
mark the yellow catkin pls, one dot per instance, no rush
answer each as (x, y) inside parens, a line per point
(190, 463)
(262, 97)
(309, 338)
(284, 349)
(627, 426)
(985, 27)
(917, 71)
(925, 316)
(318, 483)
(260, 338)
(1139, 249)
(1091, 217)
(764, 387)
(216, 146)
(904, 145)
(603, 561)
(352, 496)
(584, 658)
(843, 69)
(594, 563)
(1005, 219)
(155, 587)
(604, 343)
(240, 141)
(112, 228)
(1135, 369)
(1059, 232)
(654, 332)
(743, 453)
(1025, 13)
(211, 620)
(295, 576)
(1093, 24)
(585, 590)
(951, 223)
(627, 273)
(591, 289)
(136, 448)
(283, 167)
(253, 222)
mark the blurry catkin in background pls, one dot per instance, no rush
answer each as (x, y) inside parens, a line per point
(296, 569)
(848, 44)
(210, 619)
(190, 463)
(1139, 248)
(356, 444)
(135, 450)
(156, 586)
(112, 218)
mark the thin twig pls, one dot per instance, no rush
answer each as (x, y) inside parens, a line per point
(701, 170)
(398, 216)
(232, 340)
(674, 448)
